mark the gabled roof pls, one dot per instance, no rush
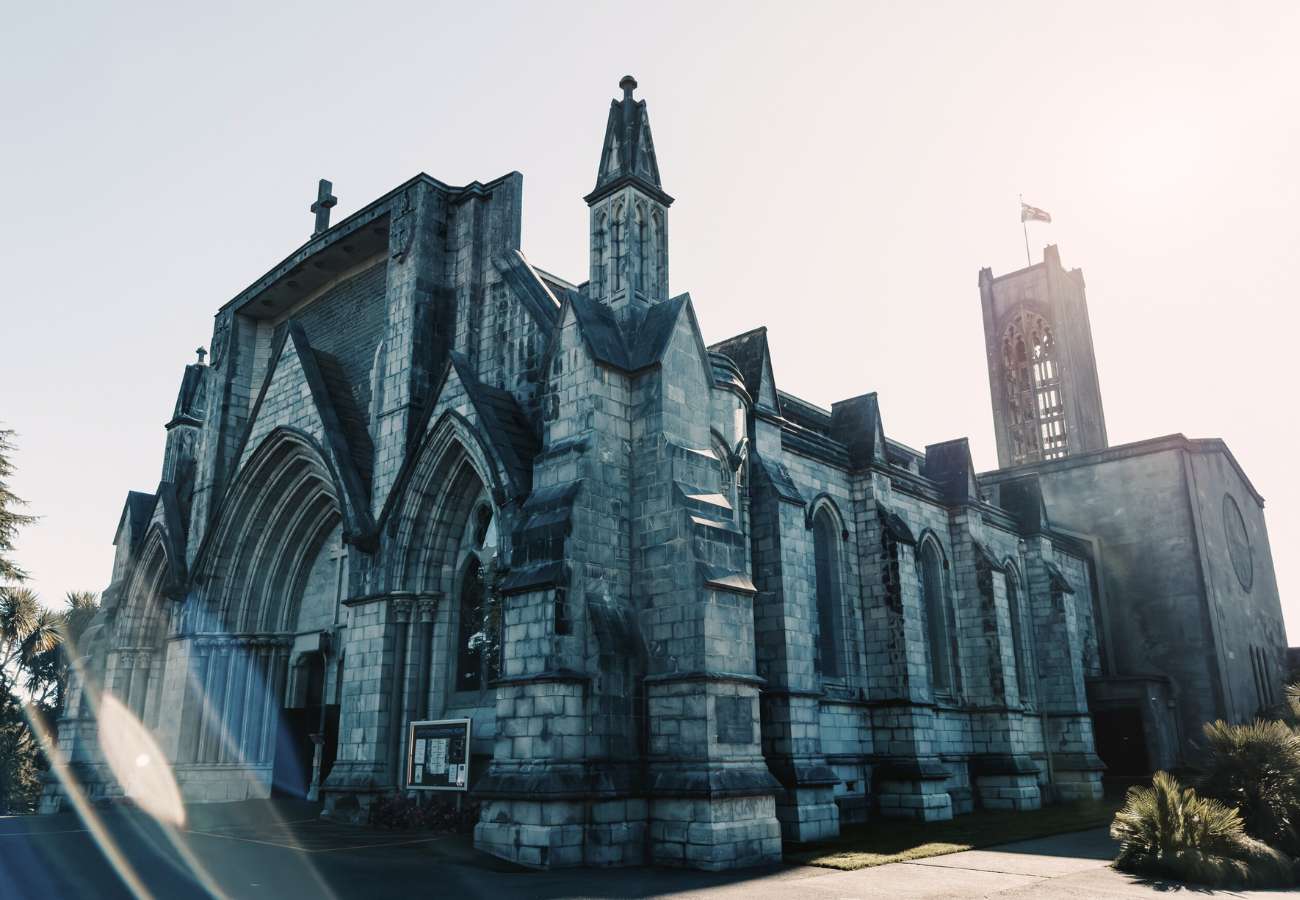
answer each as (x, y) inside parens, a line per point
(749, 351)
(506, 424)
(645, 347)
(339, 432)
(531, 286)
(1022, 497)
(191, 399)
(856, 424)
(949, 464)
(136, 512)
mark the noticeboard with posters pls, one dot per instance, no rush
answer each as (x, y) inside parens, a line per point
(438, 755)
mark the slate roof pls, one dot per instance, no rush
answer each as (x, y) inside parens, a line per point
(355, 432)
(609, 345)
(506, 423)
(191, 400)
(530, 287)
(746, 351)
(137, 510)
(627, 134)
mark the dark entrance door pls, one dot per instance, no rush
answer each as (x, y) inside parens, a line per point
(1121, 741)
(294, 748)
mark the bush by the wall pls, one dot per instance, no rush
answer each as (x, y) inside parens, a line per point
(1255, 768)
(1168, 831)
(403, 812)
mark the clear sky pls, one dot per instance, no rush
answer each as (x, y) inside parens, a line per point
(842, 172)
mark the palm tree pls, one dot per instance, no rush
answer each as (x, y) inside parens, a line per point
(27, 629)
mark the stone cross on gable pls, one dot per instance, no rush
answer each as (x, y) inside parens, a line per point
(325, 201)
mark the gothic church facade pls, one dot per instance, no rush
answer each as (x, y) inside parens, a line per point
(690, 616)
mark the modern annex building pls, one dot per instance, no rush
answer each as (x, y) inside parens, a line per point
(690, 616)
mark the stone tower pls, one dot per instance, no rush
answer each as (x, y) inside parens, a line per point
(629, 213)
(1042, 370)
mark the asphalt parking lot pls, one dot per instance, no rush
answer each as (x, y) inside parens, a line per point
(282, 850)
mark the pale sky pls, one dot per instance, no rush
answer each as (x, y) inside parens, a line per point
(842, 171)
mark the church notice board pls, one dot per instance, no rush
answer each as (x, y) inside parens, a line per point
(438, 758)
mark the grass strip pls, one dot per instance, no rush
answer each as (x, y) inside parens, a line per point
(893, 840)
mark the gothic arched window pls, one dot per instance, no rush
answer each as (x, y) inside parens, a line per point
(1033, 379)
(616, 246)
(661, 252)
(829, 647)
(476, 633)
(1021, 638)
(934, 609)
(642, 250)
(598, 251)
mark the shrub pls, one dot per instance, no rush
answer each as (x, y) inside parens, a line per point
(1167, 831)
(404, 812)
(1255, 768)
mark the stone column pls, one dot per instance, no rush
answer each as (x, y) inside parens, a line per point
(277, 675)
(426, 610)
(139, 683)
(372, 703)
(397, 701)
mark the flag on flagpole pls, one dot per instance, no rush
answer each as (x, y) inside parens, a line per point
(1033, 213)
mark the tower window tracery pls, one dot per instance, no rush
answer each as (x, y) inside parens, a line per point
(598, 250)
(616, 246)
(1034, 399)
(642, 250)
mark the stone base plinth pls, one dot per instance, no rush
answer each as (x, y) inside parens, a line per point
(716, 834)
(921, 801)
(1073, 785)
(808, 814)
(1018, 791)
(556, 834)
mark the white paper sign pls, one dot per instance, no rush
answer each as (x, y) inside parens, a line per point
(437, 760)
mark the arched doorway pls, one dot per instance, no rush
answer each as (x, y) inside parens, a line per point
(262, 624)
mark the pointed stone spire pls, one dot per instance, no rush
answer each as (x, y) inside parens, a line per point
(628, 155)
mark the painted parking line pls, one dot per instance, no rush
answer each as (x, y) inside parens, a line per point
(6, 834)
(301, 849)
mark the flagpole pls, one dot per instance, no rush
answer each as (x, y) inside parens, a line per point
(1024, 226)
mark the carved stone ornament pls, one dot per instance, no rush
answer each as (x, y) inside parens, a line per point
(402, 233)
(220, 338)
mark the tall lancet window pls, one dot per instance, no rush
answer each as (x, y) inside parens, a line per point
(616, 246)
(934, 608)
(475, 632)
(1033, 379)
(643, 279)
(829, 649)
(598, 250)
(1021, 639)
(661, 252)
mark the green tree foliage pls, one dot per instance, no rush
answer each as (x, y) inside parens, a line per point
(10, 517)
(1168, 831)
(35, 655)
(1255, 767)
(27, 630)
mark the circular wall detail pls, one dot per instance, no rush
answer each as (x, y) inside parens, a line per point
(1238, 542)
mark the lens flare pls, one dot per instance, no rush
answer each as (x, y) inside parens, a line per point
(138, 763)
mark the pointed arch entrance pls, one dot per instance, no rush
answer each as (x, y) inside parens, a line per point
(261, 622)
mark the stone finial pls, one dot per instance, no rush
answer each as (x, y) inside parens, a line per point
(628, 84)
(201, 353)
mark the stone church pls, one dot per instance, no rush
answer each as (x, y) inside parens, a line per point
(691, 617)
